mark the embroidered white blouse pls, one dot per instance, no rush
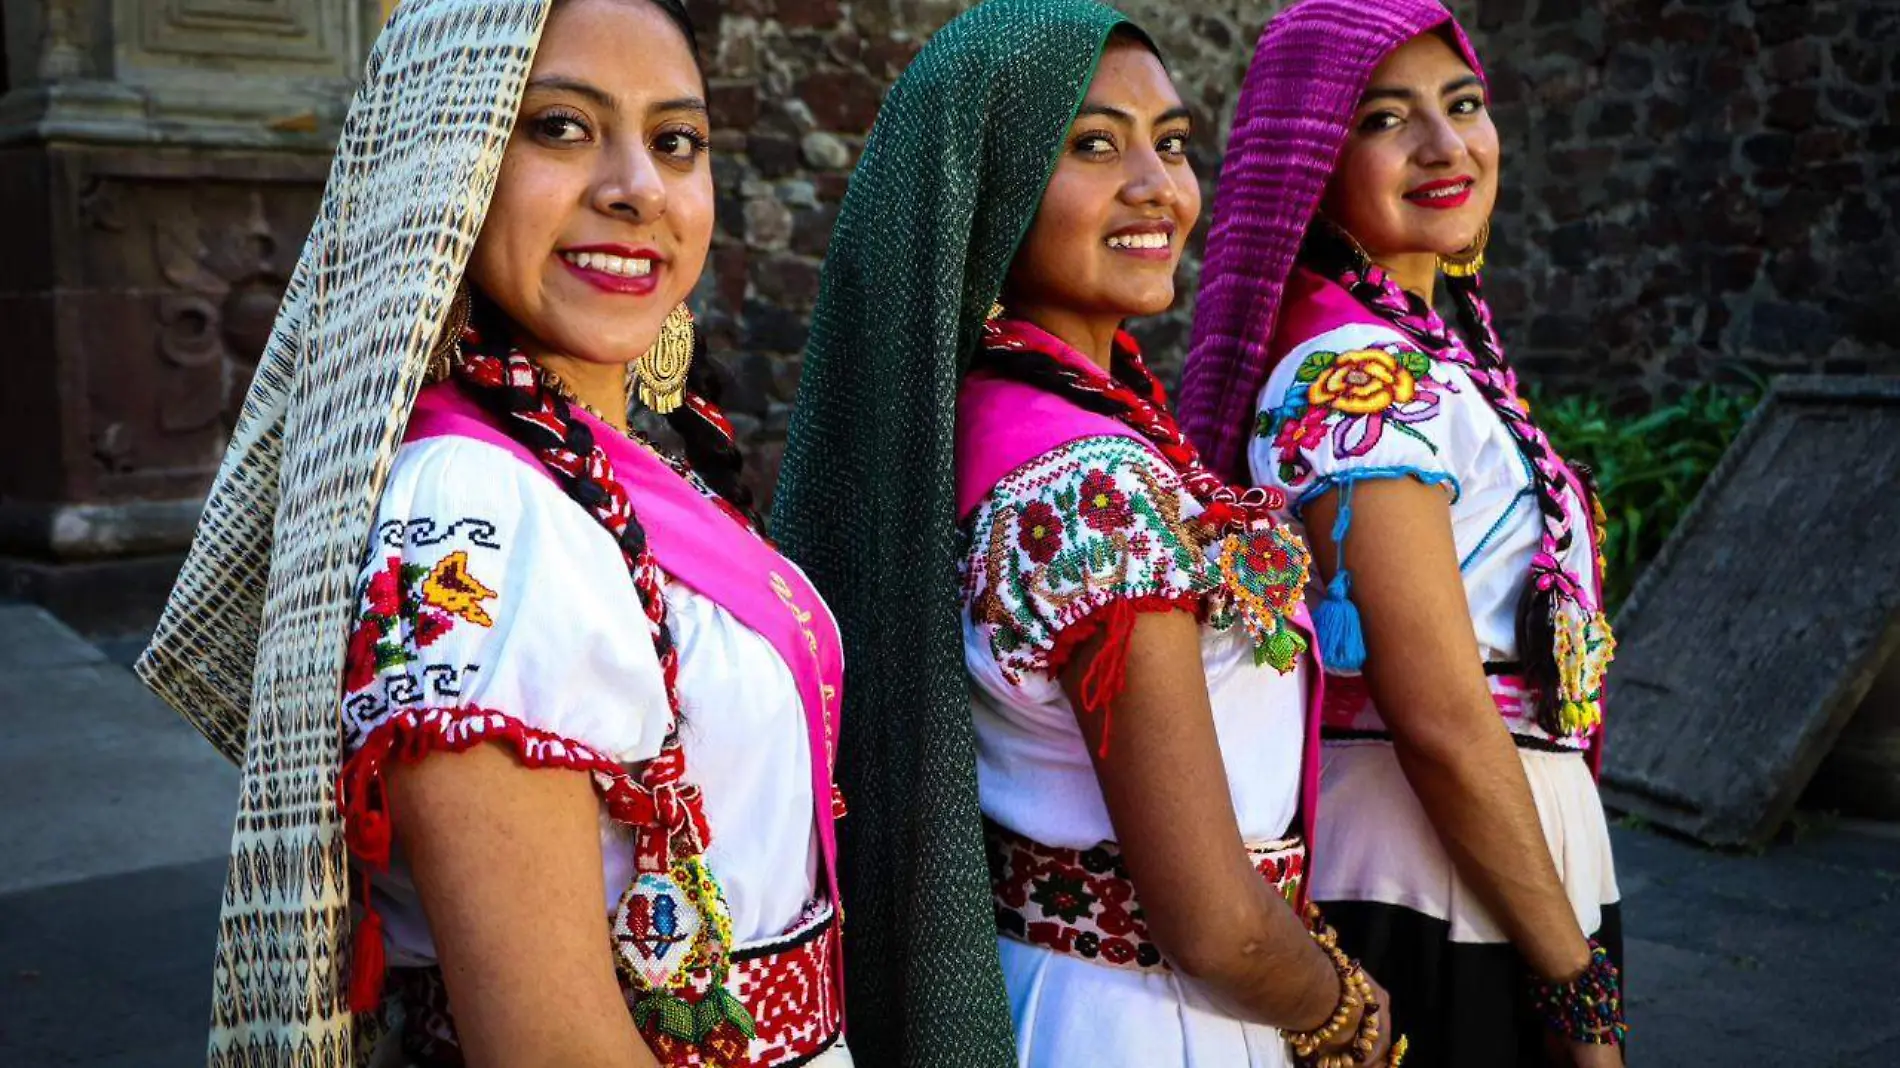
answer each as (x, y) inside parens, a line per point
(487, 588)
(1362, 401)
(1096, 520)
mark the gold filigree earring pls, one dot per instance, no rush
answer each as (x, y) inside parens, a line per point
(448, 342)
(995, 312)
(661, 373)
(1470, 260)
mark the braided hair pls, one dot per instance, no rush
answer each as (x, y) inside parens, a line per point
(1481, 352)
(708, 443)
(1132, 396)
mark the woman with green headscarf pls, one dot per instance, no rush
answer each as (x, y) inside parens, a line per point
(1023, 550)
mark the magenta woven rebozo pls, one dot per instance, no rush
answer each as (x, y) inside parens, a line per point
(1311, 67)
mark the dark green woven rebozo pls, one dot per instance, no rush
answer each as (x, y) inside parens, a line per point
(950, 180)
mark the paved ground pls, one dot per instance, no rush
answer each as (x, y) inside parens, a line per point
(114, 817)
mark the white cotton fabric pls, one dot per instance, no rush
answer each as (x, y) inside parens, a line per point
(1375, 842)
(1035, 778)
(1494, 516)
(569, 653)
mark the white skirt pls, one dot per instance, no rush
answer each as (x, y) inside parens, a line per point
(1070, 1011)
(1374, 843)
(1383, 879)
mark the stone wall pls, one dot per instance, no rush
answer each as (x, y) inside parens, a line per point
(1692, 187)
(795, 87)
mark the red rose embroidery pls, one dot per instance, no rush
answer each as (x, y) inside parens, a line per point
(1041, 532)
(384, 596)
(1103, 506)
(359, 663)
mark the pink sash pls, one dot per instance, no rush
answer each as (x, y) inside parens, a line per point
(1003, 425)
(1314, 305)
(698, 544)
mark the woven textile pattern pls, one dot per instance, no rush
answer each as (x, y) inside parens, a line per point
(1312, 64)
(949, 181)
(250, 648)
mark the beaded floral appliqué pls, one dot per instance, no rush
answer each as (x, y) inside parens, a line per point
(1355, 396)
(1263, 579)
(672, 931)
(1101, 519)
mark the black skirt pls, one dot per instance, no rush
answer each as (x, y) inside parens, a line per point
(1460, 1004)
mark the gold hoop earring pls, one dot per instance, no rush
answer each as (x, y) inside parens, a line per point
(662, 371)
(448, 341)
(1470, 260)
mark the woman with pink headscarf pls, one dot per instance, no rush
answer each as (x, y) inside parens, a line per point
(1461, 847)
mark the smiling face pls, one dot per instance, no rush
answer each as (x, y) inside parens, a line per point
(1119, 205)
(603, 212)
(1419, 173)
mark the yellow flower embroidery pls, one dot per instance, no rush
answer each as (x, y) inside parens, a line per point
(1363, 382)
(451, 588)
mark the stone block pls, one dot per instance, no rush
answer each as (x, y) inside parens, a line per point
(768, 223)
(788, 281)
(816, 14)
(841, 101)
(825, 151)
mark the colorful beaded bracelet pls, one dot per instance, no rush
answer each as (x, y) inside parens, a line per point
(1588, 1008)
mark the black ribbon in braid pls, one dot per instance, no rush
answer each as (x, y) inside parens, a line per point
(1328, 253)
(712, 451)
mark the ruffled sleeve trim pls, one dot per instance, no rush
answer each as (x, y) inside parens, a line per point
(1076, 544)
(410, 734)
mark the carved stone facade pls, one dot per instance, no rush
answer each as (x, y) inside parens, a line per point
(160, 161)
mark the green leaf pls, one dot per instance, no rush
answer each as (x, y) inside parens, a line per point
(676, 1018)
(1314, 365)
(1419, 364)
(707, 1015)
(735, 1013)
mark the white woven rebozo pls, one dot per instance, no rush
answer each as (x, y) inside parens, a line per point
(250, 648)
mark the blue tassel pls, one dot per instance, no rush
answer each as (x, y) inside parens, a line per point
(1342, 638)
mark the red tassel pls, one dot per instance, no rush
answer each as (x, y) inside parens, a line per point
(366, 959)
(1108, 673)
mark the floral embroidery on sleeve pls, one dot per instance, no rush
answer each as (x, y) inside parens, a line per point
(1352, 398)
(395, 658)
(1095, 521)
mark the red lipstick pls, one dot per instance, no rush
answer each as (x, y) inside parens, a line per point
(1443, 194)
(608, 267)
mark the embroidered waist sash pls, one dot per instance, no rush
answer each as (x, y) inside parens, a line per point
(1347, 709)
(784, 983)
(1081, 901)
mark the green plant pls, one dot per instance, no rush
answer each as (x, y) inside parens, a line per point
(1648, 467)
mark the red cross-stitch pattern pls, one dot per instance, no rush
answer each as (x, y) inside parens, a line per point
(1081, 902)
(790, 996)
